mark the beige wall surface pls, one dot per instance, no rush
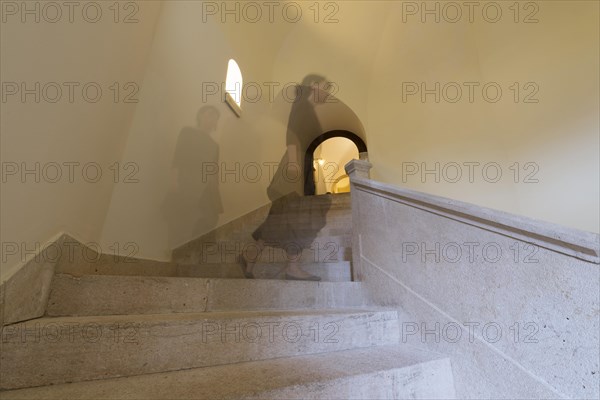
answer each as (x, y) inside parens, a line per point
(188, 59)
(65, 138)
(541, 135)
(371, 50)
(189, 55)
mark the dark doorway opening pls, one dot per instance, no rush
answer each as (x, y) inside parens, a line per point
(309, 178)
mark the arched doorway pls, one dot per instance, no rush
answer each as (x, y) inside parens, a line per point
(309, 182)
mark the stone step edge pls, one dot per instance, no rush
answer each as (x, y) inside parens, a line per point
(261, 376)
(219, 280)
(214, 315)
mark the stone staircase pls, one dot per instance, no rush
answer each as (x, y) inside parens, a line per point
(329, 256)
(131, 329)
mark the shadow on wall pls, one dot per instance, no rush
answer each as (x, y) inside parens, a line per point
(302, 127)
(294, 220)
(193, 203)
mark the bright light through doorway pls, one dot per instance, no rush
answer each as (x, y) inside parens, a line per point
(330, 158)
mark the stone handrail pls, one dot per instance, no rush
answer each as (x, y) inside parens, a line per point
(572, 242)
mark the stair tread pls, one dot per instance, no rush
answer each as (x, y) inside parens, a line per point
(72, 349)
(151, 294)
(209, 315)
(247, 379)
(275, 262)
(249, 282)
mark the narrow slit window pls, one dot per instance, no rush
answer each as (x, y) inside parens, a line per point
(233, 87)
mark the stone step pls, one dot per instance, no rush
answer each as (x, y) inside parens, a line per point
(282, 230)
(340, 207)
(331, 217)
(333, 199)
(383, 372)
(122, 295)
(252, 294)
(320, 204)
(328, 272)
(340, 236)
(300, 232)
(210, 254)
(332, 214)
(57, 350)
(83, 262)
(323, 249)
(220, 271)
(324, 208)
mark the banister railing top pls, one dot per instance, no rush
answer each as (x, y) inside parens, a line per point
(573, 242)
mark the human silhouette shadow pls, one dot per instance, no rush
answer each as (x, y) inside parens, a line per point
(294, 220)
(193, 203)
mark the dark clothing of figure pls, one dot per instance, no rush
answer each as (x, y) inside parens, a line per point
(294, 220)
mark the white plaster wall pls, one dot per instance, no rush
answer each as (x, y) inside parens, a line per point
(559, 133)
(368, 51)
(104, 52)
(341, 46)
(187, 53)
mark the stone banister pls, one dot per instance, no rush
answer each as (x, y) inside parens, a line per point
(573, 242)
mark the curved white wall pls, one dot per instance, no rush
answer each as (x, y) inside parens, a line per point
(187, 55)
(559, 134)
(35, 209)
(369, 52)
